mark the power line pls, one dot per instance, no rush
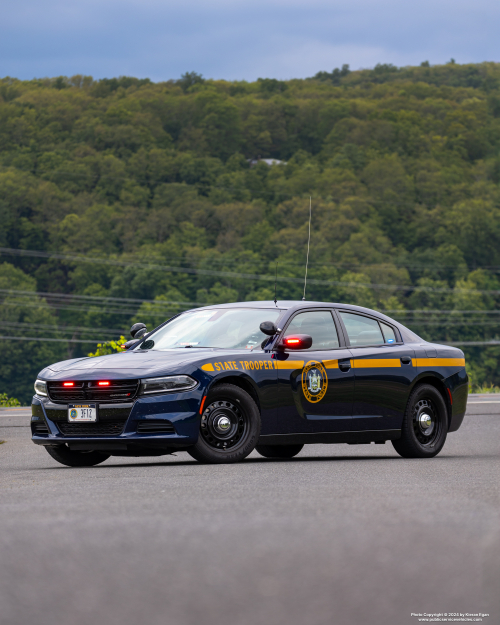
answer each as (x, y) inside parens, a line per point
(165, 311)
(397, 312)
(99, 298)
(54, 328)
(473, 343)
(45, 339)
(457, 324)
(77, 309)
(388, 265)
(246, 276)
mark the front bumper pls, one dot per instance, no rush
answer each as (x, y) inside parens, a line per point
(49, 419)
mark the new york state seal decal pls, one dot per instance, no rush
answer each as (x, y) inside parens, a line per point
(314, 381)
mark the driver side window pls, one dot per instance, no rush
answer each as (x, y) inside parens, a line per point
(318, 324)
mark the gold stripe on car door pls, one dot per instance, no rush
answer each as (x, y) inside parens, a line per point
(375, 363)
(439, 362)
(331, 364)
(289, 364)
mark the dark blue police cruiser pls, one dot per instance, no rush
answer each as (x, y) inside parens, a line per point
(223, 380)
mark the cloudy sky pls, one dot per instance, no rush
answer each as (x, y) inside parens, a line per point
(162, 39)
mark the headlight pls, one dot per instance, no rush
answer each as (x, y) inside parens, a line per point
(41, 388)
(168, 384)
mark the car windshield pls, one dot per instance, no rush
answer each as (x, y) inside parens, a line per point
(228, 328)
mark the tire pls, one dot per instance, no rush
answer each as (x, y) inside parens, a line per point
(278, 451)
(227, 406)
(70, 458)
(423, 437)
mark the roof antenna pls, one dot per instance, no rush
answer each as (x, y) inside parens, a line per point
(275, 281)
(308, 242)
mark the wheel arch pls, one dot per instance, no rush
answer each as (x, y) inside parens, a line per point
(242, 382)
(440, 386)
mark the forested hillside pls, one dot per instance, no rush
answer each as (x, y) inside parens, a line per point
(126, 200)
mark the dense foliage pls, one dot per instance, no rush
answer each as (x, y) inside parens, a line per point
(8, 402)
(122, 191)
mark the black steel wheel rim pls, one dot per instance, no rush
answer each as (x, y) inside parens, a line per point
(427, 423)
(223, 424)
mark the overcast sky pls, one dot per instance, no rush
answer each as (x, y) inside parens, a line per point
(162, 39)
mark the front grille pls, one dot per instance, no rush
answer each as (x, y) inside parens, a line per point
(99, 428)
(39, 427)
(117, 391)
(153, 426)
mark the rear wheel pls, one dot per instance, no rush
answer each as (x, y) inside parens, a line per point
(278, 451)
(425, 424)
(71, 458)
(229, 428)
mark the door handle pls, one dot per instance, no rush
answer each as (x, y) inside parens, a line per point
(345, 366)
(406, 360)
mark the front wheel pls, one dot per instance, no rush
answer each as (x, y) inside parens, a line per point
(425, 424)
(278, 451)
(71, 458)
(229, 428)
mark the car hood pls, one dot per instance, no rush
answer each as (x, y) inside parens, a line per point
(124, 365)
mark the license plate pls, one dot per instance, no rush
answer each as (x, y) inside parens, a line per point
(82, 412)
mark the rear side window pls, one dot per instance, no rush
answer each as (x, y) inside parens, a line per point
(318, 324)
(389, 334)
(362, 331)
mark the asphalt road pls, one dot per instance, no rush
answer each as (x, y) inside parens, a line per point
(341, 534)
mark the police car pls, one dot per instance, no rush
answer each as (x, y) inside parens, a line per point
(221, 381)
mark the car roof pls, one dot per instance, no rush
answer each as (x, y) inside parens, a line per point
(298, 304)
(281, 304)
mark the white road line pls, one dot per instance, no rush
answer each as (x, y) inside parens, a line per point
(11, 409)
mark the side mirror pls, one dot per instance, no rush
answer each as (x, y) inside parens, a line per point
(296, 341)
(138, 330)
(268, 327)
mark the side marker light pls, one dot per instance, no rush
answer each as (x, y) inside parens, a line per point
(202, 404)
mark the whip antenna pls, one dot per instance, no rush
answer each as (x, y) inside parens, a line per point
(308, 243)
(275, 281)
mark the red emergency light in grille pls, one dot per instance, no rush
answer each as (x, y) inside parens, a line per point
(107, 391)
